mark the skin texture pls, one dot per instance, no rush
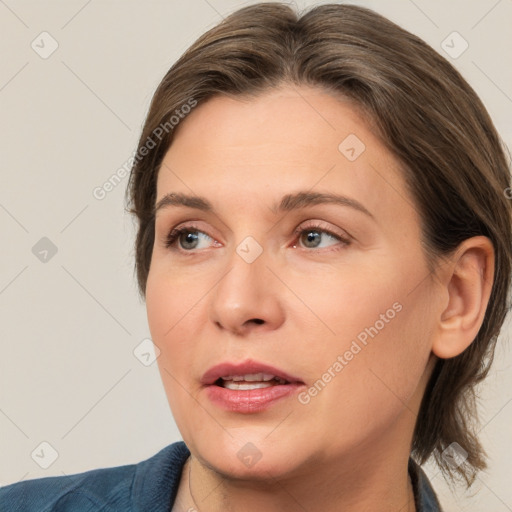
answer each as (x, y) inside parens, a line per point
(347, 448)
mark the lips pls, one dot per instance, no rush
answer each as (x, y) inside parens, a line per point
(248, 387)
(248, 371)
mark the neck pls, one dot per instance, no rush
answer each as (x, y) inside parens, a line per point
(380, 483)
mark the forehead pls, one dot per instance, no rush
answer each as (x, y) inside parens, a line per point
(308, 119)
(286, 139)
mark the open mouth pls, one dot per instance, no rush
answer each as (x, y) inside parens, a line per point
(248, 387)
(249, 381)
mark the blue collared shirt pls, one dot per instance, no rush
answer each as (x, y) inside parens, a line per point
(148, 486)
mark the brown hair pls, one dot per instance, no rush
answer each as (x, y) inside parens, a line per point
(427, 115)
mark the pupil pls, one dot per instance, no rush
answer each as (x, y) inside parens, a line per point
(190, 238)
(312, 235)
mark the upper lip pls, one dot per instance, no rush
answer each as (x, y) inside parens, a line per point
(226, 369)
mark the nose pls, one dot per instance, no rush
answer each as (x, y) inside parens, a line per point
(247, 297)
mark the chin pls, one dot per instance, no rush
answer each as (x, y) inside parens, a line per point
(239, 458)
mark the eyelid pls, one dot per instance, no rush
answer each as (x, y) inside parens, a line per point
(319, 225)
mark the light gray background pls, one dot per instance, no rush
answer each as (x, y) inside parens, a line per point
(70, 325)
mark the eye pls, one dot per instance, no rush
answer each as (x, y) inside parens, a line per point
(188, 238)
(313, 235)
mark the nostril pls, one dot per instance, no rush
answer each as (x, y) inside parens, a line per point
(258, 321)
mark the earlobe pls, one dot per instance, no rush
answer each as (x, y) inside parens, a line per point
(468, 286)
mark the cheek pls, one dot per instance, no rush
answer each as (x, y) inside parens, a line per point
(172, 319)
(345, 301)
(375, 343)
(169, 310)
(171, 300)
(374, 388)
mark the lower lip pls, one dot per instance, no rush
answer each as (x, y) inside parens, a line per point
(249, 401)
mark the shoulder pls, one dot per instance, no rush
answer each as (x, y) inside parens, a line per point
(148, 485)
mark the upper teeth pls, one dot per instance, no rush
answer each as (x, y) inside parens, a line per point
(253, 377)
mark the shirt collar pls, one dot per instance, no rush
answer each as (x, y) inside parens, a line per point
(424, 495)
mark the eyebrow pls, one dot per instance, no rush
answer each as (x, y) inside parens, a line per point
(288, 202)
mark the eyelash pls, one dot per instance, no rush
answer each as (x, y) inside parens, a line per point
(175, 233)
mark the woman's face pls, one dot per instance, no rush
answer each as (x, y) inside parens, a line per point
(277, 277)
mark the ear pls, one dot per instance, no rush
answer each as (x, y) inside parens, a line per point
(468, 283)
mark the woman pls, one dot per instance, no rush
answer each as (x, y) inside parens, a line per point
(324, 248)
